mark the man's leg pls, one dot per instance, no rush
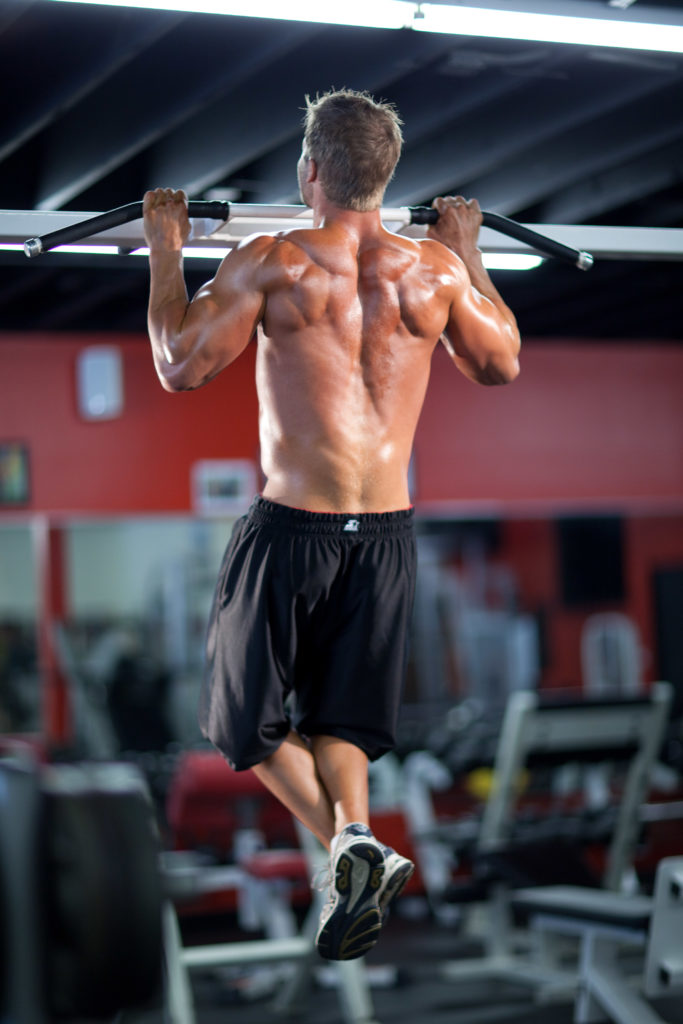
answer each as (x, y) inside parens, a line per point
(325, 786)
(343, 769)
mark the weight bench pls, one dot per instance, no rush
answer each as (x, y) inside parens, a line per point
(606, 924)
(630, 731)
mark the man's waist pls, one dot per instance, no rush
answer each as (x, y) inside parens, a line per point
(396, 522)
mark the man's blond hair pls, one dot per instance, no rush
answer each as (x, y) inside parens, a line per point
(356, 142)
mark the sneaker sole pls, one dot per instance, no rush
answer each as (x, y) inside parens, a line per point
(353, 927)
(395, 887)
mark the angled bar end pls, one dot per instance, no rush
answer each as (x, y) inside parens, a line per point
(585, 261)
(33, 247)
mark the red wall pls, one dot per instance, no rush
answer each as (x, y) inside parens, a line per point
(584, 423)
(137, 463)
(585, 426)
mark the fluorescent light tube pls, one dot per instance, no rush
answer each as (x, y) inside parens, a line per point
(362, 13)
(446, 18)
(492, 260)
(206, 252)
(89, 250)
(510, 261)
(549, 28)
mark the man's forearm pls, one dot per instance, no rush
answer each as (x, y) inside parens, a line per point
(168, 302)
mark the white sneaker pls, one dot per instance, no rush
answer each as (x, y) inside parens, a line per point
(350, 921)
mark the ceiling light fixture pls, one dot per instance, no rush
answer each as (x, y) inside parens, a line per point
(363, 13)
(510, 261)
(441, 17)
(552, 28)
(492, 260)
(83, 250)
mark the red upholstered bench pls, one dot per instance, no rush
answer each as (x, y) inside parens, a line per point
(289, 865)
(208, 802)
(210, 807)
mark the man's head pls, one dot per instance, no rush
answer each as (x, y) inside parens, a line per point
(355, 143)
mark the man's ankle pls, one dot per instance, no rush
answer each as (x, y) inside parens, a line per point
(356, 828)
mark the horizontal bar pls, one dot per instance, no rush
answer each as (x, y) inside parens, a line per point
(602, 241)
(202, 210)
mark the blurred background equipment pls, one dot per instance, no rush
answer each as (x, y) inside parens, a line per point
(80, 892)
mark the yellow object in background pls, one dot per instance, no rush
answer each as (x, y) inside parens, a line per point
(479, 783)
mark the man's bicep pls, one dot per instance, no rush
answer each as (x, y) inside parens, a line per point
(460, 335)
(481, 342)
(218, 325)
(234, 308)
(232, 304)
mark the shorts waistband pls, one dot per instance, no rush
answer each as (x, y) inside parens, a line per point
(299, 520)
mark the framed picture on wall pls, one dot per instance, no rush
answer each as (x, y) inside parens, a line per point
(223, 486)
(14, 474)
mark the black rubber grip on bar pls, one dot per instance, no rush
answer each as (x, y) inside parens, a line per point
(213, 210)
(495, 221)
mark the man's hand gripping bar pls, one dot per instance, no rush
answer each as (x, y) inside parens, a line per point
(495, 221)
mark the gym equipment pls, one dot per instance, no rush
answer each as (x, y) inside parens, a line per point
(551, 734)
(606, 924)
(88, 901)
(80, 889)
(611, 657)
(225, 212)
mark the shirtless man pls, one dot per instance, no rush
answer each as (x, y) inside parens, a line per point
(315, 593)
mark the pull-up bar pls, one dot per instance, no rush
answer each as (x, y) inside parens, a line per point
(225, 212)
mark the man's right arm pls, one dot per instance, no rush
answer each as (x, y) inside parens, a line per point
(192, 341)
(481, 335)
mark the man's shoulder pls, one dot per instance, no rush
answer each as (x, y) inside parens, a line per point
(424, 254)
(255, 246)
(260, 253)
(438, 257)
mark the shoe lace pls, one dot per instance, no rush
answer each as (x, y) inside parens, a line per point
(322, 879)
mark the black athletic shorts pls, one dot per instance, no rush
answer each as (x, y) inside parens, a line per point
(314, 607)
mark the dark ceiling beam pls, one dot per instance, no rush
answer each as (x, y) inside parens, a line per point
(525, 130)
(553, 292)
(564, 158)
(637, 307)
(616, 187)
(12, 10)
(132, 110)
(106, 41)
(458, 79)
(66, 312)
(20, 287)
(615, 299)
(266, 111)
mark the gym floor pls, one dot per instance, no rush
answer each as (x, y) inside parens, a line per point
(412, 952)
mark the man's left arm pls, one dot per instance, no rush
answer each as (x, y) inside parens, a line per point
(192, 341)
(482, 336)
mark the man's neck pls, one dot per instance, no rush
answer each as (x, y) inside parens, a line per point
(326, 214)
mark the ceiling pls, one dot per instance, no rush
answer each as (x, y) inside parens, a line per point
(102, 103)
